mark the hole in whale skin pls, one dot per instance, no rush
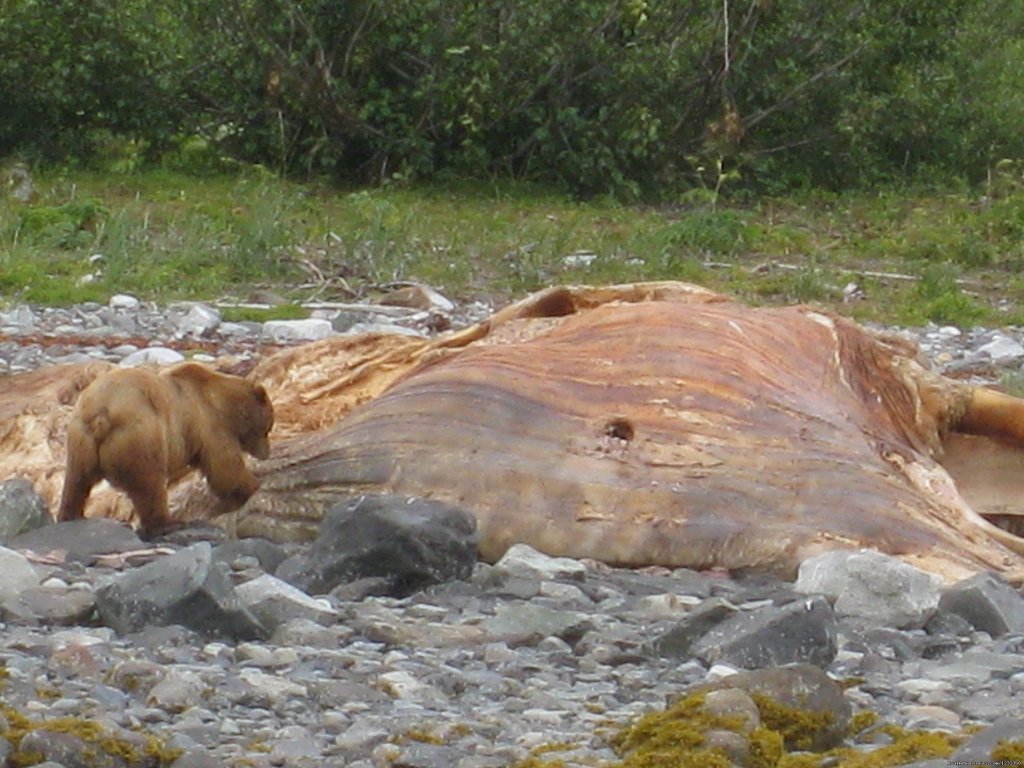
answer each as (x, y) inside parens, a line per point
(620, 429)
(556, 303)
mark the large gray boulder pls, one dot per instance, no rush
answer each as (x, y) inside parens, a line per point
(81, 541)
(803, 631)
(21, 509)
(873, 586)
(187, 588)
(409, 543)
(987, 602)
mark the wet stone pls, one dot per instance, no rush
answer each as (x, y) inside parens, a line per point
(987, 602)
(799, 632)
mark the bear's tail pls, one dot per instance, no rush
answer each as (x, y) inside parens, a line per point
(100, 426)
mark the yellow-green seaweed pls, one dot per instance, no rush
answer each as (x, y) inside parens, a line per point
(800, 728)
(1009, 752)
(89, 731)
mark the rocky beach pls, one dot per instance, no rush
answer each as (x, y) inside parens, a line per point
(195, 650)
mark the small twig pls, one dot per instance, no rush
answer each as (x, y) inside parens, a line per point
(311, 269)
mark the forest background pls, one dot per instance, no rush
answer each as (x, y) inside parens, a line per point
(699, 140)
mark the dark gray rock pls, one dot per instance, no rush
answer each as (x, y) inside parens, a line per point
(82, 540)
(524, 623)
(360, 589)
(978, 749)
(800, 632)
(499, 581)
(21, 509)
(49, 606)
(987, 602)
(186, 534)
(944, 623)
(410, 542)
(677, 641)
(185, 588)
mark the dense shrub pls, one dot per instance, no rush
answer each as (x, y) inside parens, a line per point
(627, 97)
(73, 73)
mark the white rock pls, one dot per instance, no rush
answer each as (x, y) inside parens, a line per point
(298, 330)
(240, 330)
(438, 300)
(273, 602)
(1002, 350)
(720, 672)
(179, 690)
(579, 259)
(123, 301)
(418, 297)
(20, 318)
(271, 690)
(152, 355)
(667, 604)
(524, 560)
(403, 685)
(930, 717)
(871, 585)
(199, 319)
(361, 735)
(559, 591)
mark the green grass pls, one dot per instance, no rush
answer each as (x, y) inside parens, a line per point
(164, 236)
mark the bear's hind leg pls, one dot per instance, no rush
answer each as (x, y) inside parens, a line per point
(81, 474)
(149, 498)
(135, 461)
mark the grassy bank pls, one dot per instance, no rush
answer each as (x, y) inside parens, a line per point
(950, 257)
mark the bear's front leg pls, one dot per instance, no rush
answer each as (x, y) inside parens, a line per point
(228, 477)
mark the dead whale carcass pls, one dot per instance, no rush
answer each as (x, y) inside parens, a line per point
(648, 424)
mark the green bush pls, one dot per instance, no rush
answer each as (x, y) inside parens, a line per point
(70, 225)
(626, 98)
(75, 71)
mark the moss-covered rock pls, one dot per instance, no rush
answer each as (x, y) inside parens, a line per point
(685, 735)
(1009, 752)
(32, 740)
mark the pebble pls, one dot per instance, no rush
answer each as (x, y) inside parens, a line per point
(506, 663)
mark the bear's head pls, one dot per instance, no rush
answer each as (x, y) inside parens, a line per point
(257, 422)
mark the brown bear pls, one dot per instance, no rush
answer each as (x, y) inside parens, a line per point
(143, 429)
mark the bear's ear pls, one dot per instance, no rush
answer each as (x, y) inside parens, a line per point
(261, 395)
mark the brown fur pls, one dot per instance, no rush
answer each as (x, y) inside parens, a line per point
(141, 430)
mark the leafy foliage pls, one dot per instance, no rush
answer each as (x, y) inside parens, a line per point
(620, 97)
